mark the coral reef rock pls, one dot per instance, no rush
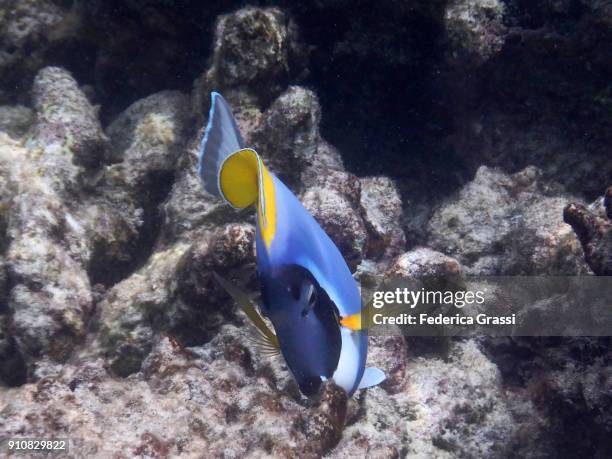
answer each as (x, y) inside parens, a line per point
(475, 29)
(173, 293)
(594, 233)
(256, 52)
(146, 142)
(507, 224)
(15, 120)
(183, 402)
(423, 263)
(381, 211)
(65, 117)
(113, 330)
(288, 133)
(29, 30)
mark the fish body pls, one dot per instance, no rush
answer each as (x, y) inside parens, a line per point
(308, 292)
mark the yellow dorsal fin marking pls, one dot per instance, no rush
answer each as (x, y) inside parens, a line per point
(267, 225)
(244, 180)
(352, 322)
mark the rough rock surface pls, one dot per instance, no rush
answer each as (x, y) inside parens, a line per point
(255, 54)
(146, 141)
(292, 148)
(46, 248)
(594, 233)
(60, 227)
(28, 31)
(65, 117)
(382, 211)
(182, 403)
(475, 29)
(15, 120)
(424, 262)
(333, 204)
(173, 293)
(557, 378)
(502, 224)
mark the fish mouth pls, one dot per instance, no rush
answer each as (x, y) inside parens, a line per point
(310, 386)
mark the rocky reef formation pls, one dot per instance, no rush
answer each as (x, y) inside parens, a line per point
(113, 331)
(507, 225)
(594, 232)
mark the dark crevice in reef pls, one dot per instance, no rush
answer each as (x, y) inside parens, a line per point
(161, 184)
(146, 46)
(13, 371)
(383, 104)
(551, 80)
(530, 364)
(109, 273)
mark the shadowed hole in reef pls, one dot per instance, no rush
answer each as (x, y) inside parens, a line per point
(385, 106)
(108, 272)
(13, 370)
(536, 364)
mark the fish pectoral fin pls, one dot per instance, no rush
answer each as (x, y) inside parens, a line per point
(242, 299)
(372, 376)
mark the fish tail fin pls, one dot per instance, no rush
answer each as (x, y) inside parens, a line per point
(372, 376)
(226, 168)
(220, 141)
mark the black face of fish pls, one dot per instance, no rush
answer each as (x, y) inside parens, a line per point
(306, 323)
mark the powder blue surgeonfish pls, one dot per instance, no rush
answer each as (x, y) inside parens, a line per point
(307, 289)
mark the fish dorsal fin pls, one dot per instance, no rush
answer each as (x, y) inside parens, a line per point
(268, 338)
(372, 376)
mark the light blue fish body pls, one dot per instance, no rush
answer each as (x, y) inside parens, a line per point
(307, 287)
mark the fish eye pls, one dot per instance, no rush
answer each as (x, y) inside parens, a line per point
(294, 291)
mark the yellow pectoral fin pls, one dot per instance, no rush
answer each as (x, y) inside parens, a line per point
(352, 322)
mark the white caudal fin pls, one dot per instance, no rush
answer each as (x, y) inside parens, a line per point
(371, 377)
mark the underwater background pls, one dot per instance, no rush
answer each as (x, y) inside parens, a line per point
(428, 138)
